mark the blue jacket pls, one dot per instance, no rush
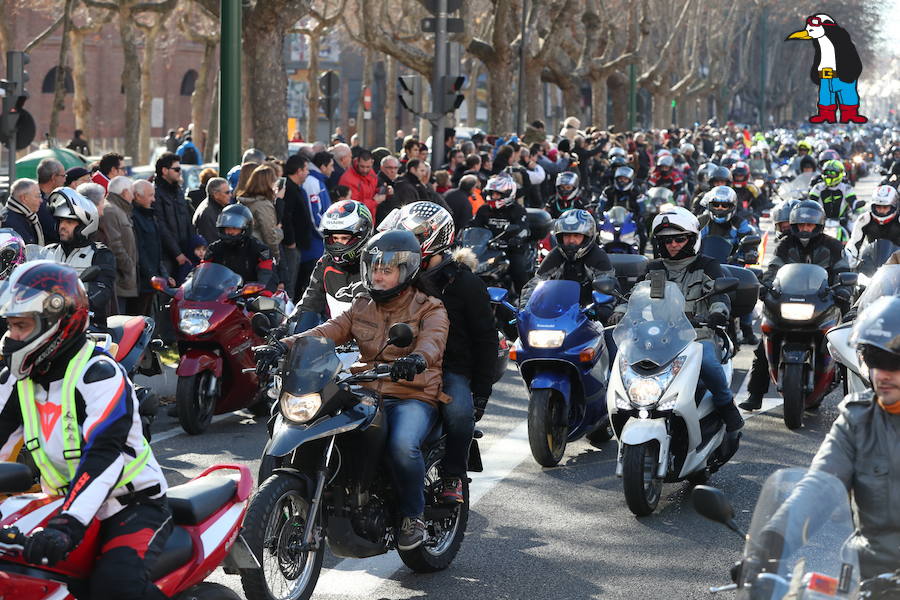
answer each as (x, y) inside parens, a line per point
(189, 144)
(317, 207)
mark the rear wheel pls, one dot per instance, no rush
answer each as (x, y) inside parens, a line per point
(642, 487)
(195, 398)
(602, 434)
(548, 427)
(445, 526)
(208, 591)
(793, 387)
(273, 529)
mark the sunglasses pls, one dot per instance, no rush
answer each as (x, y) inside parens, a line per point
(721, 205)
(674, 239)
(175, 169)
(817, 22)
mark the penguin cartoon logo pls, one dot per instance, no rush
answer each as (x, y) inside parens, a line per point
(835, 69)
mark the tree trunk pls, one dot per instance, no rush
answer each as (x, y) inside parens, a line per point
(472, 100)
(213, 128)
(662, 110)
(312, 87)
(131, 79)
(390, 101)
(59, 92)
(599, 91)
(264, 49)
(534, 105)
(150, 37)
(618, 91)
(201, 96)
(81, 103)
(5, 9)
(364, 126)
(571, 99)
(500, 100)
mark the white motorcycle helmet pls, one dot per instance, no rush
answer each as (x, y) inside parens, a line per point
(66, 203)
(676, 221)
(884, 196)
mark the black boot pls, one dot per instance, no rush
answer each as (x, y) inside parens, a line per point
(753, 402)
(731, 416)
(749, 337)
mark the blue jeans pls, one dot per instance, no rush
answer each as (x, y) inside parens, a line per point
(287, 268)
(834, 91)
(459, 424)
(713, 375)
(409, 422)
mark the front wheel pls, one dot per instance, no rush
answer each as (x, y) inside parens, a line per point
(445, 526)
(195, 401)
(642, 487)
(793, 387)
(273, 529)
(548, 427)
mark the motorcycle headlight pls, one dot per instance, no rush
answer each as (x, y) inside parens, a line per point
(797, 311)
(607, 236)
(300, 409)
(194, 321)
(646, 392)
(546, 338)
(858, 159)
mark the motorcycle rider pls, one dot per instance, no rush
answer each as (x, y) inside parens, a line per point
(880, 223)
(747, 193)
(836, 195)
(74, 408)
(665, 175)
(508, 221)
(622, 192)
(568, 194)
(616, 159)
(781, 218)
(860, 450)
(719, 177)
(471, 354)
(76, 220)
(803, 157)
(346, 227)
(389, 264)
(804, 244)
(238, 250)
(676, 245)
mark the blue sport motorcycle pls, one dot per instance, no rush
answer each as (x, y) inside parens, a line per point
(563, 358)
(618, 232)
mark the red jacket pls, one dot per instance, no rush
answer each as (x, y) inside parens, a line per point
(362, 188)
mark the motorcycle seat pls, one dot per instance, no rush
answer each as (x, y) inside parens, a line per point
(193, 502)
(178, 550)
(125, 331)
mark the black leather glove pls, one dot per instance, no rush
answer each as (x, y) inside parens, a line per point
(268, 356)
(716, 319)
(480, 403)
(53, 543)
(842, 295)
(407, 367)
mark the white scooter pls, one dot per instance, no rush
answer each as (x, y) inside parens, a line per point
(664, 419)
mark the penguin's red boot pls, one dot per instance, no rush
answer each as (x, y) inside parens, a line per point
(827, 114)
(849, 114)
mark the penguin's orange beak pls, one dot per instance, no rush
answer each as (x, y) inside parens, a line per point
(799, 35)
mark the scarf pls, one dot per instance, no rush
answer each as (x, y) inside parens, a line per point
(32, 217)
(893, 409)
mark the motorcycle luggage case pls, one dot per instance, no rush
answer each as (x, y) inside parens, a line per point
(629, 268)
(539, 223)
(743, 299)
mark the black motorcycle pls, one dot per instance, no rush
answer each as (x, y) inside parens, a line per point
(329, 478)
(493, 265)
(799, 308)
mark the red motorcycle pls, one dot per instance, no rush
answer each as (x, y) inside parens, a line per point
(211, 314)
(208, 513)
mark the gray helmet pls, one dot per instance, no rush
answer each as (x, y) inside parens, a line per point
(253, 155)
(876, 334)
(623, 172)
(395, 249)
(567, 185)
(575, 220)
(721, 173)
(237, 216)
(811, 212)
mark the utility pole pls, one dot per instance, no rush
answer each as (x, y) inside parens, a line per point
(523, 48)
(762, 68)
(230, 86)
(437, 82)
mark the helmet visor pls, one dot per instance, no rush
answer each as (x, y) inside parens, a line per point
(386, 270)
(232, 219)
(807, 214)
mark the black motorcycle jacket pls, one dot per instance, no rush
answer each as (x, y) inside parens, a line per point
(472, 337)
(822, 250)
(556, 206)
(332, 286)
(250, 258)
(583, 271)
(508, 224)
(612, 196)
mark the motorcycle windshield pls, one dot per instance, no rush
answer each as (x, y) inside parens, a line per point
(617, 215)
(554, 298)
(800, 279)
(799, 187)
(874, 255)
(311, 365)
(716, 247)
(886, 282)
(476, 238)
(210, 281)
(660, 195)
(653, 330)
(802, 524)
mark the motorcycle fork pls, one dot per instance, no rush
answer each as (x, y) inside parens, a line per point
(309, 541)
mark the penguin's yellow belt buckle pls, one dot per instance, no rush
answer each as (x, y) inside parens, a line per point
(826, 73)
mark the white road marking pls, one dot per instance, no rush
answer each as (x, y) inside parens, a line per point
(361, 577)
(177, 431)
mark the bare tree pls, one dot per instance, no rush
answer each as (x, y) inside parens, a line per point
(204, 31)
(59, 90)
(77, 34)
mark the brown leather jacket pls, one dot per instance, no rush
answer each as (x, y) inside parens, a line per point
(368, 324)
(894, 259)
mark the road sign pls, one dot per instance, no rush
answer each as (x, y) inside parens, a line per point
(454, 25)
(452, 6)
(367, 98)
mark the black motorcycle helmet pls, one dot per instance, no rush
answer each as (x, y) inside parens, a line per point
(721, 176)
(808, 211)
(876, 335)
(238, 216)
(808, 162)
(389, 250)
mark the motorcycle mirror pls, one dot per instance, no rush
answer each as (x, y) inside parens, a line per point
(859, 205)
(712, 503)
(400, 335)
(498, 294)
(260, 324)
(89, 274)
(250, 289)
(605, 285)
(848, 279)
(15, 478)
(161, 285)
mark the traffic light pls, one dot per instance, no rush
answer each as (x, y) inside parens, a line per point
(408, 86)
(330, 87)
(14, 98)
(452, 86)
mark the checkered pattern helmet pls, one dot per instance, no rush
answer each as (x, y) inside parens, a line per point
(431, 223)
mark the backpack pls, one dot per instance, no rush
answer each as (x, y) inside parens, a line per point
(189, 156)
